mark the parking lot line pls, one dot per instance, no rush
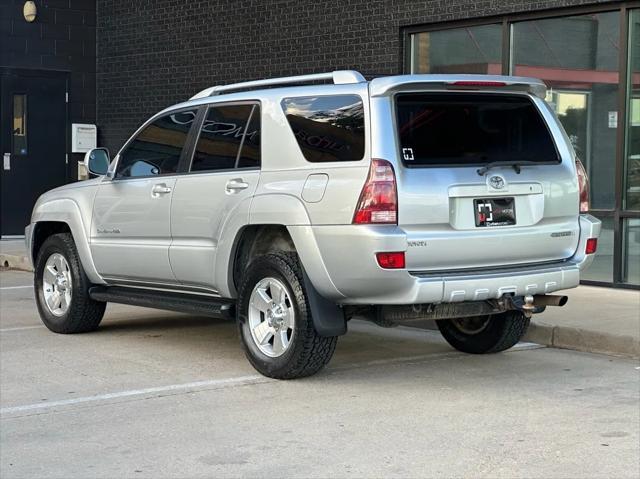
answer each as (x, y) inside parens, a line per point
(136, 392)
(20, 328)
(16, 287)
(237, 381)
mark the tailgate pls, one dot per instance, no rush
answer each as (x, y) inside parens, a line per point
(457, 217)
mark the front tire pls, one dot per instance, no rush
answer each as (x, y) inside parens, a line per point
(274, 320)
(485, 334)
(62, 288)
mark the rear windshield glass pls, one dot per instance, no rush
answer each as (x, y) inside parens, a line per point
(471, 129)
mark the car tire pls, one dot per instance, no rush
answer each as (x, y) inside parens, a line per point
(62, 288)
(274, 320)
(485, 334)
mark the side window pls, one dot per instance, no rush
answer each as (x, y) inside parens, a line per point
(327, 128)
(157, 149)
(221, 138)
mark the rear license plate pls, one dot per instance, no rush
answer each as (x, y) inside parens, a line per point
(495, 212)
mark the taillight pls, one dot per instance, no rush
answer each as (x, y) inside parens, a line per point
(583, 186)
(391, 260)
(592, 246)
(378, 201)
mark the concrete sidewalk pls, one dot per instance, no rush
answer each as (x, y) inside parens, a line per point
(596, 320)
(13, 255)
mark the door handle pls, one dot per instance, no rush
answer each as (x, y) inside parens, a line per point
(160, 189)
(235, 185)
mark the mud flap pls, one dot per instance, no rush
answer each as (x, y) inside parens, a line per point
(328, 317)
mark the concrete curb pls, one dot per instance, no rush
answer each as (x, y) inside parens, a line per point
(583, 340)
(13, 261)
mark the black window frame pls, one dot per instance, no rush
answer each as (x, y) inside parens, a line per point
(183, 154)
(326, 95)
(466, 165)
(200, 119)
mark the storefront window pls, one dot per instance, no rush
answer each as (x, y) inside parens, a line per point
(632, 147)
(602, 267)
(577, 57)
(458, 50)
(631, 268)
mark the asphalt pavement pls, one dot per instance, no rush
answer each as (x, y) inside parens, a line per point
(158, 394)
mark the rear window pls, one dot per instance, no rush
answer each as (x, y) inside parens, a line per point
(327, 128)
(471, 129)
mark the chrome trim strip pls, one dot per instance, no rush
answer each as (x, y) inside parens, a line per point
(168, 287)
(510, 270)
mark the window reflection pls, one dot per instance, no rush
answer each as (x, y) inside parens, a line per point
(157, 149)
(327, 128)
(577, 57)
(632, 251)
(632, 147)
(475, 49)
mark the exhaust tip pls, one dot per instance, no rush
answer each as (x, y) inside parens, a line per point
(562, 300)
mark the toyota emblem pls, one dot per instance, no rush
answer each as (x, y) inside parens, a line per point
(496, 182)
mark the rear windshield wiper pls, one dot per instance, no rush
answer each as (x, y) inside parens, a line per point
(515, 164)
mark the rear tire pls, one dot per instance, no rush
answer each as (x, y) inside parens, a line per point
(274, 320)
(485, 334)
(62, 288)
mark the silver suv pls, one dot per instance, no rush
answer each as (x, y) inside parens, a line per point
(295, 204)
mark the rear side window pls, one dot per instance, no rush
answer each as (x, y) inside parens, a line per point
(157, 149)
(220, 145)
(327, 128)
(471, 129)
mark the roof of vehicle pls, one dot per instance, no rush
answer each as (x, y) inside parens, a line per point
(385, 85)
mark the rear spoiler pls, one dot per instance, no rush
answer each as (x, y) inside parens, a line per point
(392, 84)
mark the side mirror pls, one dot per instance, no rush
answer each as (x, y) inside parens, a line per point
(97, 161)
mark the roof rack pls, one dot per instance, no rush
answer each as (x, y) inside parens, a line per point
(338, 77)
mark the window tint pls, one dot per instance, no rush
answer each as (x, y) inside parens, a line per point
(327, 128)
(221, 137)
(461, 129)
(157, 149)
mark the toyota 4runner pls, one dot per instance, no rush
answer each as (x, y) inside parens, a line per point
(293, 205)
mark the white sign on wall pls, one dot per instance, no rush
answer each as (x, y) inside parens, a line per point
(84, 137)
(613, 119)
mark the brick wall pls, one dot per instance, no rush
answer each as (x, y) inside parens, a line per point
(62, 38)
(153, 53)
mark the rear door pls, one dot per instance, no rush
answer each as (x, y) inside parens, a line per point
(459, 216)
(216, 193)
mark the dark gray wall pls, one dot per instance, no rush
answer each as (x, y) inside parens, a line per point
(62, 38)
(153, 53)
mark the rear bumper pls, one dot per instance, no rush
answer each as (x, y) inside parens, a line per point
(347, 254)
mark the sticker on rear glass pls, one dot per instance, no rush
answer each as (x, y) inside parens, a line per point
(407, 154)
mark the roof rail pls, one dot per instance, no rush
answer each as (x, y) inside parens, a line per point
(338, 77)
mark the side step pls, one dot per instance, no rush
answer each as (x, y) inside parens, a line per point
(180, 302)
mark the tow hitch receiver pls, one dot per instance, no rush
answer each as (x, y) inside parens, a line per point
(530, 304)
